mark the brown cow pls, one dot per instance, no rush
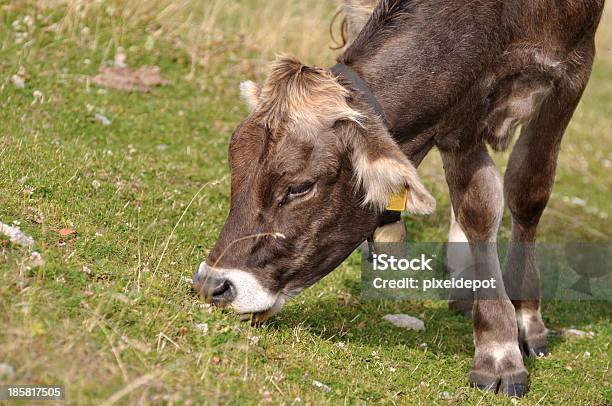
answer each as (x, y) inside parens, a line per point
(313, 165)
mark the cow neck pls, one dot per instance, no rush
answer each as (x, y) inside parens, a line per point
(358, 84)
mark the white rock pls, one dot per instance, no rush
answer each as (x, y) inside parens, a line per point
(405, 321)
(39, 97)
(6, 371)
(16, 235)
(575, 333)
(18, 81)
(321, 385)
(102, 119)
(202, 327)
(35, 260)
(120, 58)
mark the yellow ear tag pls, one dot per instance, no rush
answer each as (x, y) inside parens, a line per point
(398, 201)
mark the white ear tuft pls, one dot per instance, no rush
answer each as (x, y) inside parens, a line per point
(382, 170)
(249, 91)
(385, 176)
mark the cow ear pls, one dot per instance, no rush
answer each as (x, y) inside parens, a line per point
(249, 91)
(381, 170)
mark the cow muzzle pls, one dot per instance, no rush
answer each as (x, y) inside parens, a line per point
(213, 286)
(235, 288)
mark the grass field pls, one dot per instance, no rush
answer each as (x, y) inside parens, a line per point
(111, 313)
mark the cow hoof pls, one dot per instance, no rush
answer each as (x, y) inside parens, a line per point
(484, 382)
(514, 386)
(535, 349)
(538, 352)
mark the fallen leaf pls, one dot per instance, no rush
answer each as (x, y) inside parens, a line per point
(66, 231)
(128, 79)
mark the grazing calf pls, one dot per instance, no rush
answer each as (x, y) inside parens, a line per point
(314, 165)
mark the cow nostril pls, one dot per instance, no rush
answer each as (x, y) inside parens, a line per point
(222, 287)
(223, 292)
(213, 287)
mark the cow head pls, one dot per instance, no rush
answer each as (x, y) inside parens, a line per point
(311, 170)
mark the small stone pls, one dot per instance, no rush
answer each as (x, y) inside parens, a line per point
(405, 321)
(102, 119)
(16, 235)
(321, 385)
(39, 97)
(266, 396)
(6, 371)
(35, 260)
(254, 340)
(120, 58)
(575, 333)
(202, 327)
(18, 81)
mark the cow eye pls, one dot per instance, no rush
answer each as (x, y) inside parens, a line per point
(299, 190)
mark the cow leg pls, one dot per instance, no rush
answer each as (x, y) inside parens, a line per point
(477, 197)
(459, 263)
(527, 186)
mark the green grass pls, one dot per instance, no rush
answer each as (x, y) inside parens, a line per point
(128, 327)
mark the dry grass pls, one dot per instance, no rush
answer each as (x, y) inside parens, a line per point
(206, 30)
